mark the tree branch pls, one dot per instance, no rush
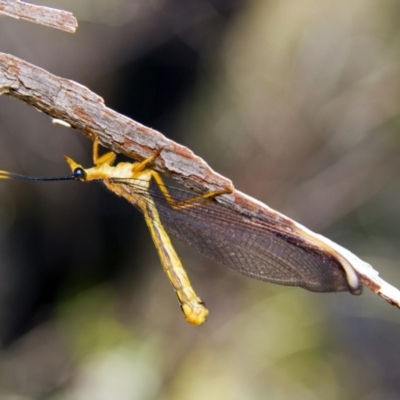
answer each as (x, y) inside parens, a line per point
(47, 16)
(85, 111)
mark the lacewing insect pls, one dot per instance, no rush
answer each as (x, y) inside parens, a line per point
(252, 247)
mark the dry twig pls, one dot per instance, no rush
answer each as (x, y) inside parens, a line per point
(51, 17)
(83, 110)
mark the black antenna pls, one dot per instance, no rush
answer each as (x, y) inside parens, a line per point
(19, 177)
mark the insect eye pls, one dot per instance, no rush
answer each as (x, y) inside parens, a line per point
(79, 173)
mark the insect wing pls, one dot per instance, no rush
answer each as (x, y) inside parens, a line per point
(250, 247)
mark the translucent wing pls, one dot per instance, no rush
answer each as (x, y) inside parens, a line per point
(252, 247)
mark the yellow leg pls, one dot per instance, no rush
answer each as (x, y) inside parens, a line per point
(193, 308)
(179, 205)
(141, 166)
(107, 158)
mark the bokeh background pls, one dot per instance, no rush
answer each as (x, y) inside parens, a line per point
(298, 103)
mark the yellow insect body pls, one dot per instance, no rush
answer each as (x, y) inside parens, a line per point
(272, 248)
(193, 308)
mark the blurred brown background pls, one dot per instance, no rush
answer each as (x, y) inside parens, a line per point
(298, 103)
